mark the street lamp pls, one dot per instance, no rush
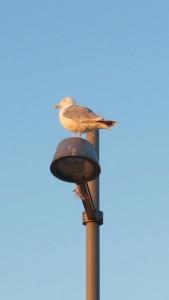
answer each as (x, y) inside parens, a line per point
(77, 160)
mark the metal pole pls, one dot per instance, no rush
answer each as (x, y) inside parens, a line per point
(92, 236)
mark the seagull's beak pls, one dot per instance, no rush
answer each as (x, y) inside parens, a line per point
(56, 106)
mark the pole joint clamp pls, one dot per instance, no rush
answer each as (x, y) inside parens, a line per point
(97, 218)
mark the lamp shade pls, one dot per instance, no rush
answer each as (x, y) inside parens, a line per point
(75, 160)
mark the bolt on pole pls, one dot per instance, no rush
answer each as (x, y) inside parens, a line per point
(93, 235)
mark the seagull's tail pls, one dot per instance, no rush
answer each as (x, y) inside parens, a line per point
(107, 123)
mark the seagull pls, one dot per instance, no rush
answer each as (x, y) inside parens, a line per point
(80, 119)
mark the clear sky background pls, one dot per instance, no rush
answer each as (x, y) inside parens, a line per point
(112, 56)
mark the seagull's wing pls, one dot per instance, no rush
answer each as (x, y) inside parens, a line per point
(80, 114)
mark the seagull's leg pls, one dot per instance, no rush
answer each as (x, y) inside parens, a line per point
(79, 134)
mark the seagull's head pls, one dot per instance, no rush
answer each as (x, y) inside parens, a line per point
(65, 102)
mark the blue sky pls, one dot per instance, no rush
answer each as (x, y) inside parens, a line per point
(112, 56)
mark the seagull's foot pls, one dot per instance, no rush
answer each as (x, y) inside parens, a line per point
(77, 134)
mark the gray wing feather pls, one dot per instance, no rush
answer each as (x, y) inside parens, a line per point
(80, 113)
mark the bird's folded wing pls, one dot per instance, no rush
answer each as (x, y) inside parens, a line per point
(93, 120)
(81, 114)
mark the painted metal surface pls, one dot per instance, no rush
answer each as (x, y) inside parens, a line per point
(75, 160)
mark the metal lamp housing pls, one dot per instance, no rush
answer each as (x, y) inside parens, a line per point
(75, 160)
